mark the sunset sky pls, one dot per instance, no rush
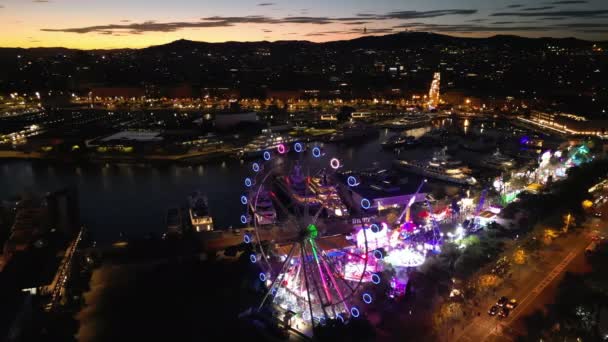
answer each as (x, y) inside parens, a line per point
(90, 24)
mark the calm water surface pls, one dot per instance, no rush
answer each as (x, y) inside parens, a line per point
(134, 198)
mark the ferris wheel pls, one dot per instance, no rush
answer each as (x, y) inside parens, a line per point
(310, 270)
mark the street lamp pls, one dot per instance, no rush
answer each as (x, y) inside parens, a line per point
(568, 218)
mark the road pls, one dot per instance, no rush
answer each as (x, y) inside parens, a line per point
(57, 286)
(532, 285)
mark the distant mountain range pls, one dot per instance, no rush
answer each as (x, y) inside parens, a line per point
(391, 41)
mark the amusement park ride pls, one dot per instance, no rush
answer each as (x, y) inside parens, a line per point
(315, 270)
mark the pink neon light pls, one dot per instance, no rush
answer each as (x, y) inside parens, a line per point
(281, 148)
(314, 251)
(334, 163)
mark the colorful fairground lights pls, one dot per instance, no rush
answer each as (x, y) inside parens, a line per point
(311, 274)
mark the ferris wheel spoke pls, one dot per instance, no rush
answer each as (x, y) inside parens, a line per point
(346, 281)
(321, 276)
(303, 263)
(281, 274)
(332, 279)
(337, 273)
(316, 216)
(341, 249)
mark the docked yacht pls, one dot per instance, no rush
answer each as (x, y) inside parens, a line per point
(263, 143)
(263, 208)
(439, 167)
(412, 121)
(296, 187)
(352, 132)
(327, 194)
(498, 161)
(399, 141)
(198, 211)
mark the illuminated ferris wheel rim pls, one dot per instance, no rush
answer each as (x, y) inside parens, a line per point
(323, 284)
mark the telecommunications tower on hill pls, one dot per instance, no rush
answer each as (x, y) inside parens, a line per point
(434, 91)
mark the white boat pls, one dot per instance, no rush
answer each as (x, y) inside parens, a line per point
(415, 120)
(198, 211)
(439, 167)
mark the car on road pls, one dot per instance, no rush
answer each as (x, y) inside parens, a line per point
(591, 248)
(511, 304)
(502, 301)
(597, 237)
(504, 313)
(493, 310)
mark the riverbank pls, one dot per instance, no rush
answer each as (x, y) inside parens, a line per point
(188, 157)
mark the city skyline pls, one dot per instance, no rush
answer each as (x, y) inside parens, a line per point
(136, 24)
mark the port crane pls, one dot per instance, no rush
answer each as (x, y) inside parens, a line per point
(434, 223)
(407, 210)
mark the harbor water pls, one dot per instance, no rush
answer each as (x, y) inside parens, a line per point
(134, 198)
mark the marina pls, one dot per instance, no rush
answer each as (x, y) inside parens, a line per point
(131, 186)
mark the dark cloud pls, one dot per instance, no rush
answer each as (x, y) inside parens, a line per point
(594, 31)
(566, 13)
(226, 21)
(357, 23)
(513, 27)
(251, 19)
(426, 14)
(552, 18)
(478, 20)
(147, 26)
(458, 28)
(515, 6)
(125, 21)
(267, 31)
(307, 20)
(584, 25)
(538, 8)
(266, 4)
(569, 2)
(504, 23)
(207, 22)
(405, 15)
